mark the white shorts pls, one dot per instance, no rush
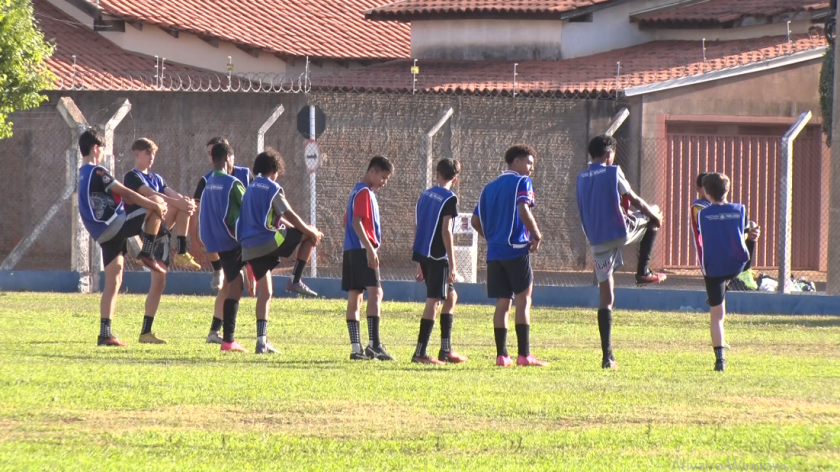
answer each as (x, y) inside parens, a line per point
(608, 255)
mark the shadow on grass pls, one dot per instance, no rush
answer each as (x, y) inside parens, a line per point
(829, 322)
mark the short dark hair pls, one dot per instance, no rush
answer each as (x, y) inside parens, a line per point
(144, 144)
(716, 185)
(518, 150)
(700, 178)
(448, 168)
(600, 145)
(217, 140)
(89, 139)
(381, 163)
(269, 162)
(220, 152)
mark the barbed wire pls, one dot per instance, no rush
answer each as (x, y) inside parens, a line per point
(182, 81)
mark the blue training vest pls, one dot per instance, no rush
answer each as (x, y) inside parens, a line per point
(427, 217)
(87, 209)
(215, 200)
(722, 233)
(351, 241)
(599, 204)
(257, 222)
(506, 234)
(242, 174)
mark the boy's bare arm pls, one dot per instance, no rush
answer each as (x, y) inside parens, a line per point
(179, 201)
(531, 223)
(290, 218)
(449, 243)
(638, 202)
(475, 221)
(138, 199)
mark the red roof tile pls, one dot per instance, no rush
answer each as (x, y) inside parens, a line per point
(595, 75)
(99, 63)
(406, 9)
(719, 12)
(334, 29)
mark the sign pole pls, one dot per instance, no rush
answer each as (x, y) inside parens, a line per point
(312, 194)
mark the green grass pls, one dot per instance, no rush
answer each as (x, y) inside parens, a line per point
(67, 405)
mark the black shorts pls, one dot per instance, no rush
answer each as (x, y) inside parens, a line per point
(355, 273)
(436, 275)
(231, 263)
(509, 277)
(264, 264)
(117, 246)
(716, 289)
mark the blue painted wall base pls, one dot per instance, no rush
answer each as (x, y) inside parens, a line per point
(193, 283)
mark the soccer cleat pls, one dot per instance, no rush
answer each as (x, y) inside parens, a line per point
(266, 348)
(530, 361)
(720, 365)
(216, 283)
(504, 361)
(214, 338)
(747, 278)
(609, 363)
(379, 353)
(359, 356)
(150, 338)
(234, 346)
(650, 278)
(186, 261)
(110, 341)
(300, 288)
(451, 357)
(151, 263)
(426, 360)
(249, 280)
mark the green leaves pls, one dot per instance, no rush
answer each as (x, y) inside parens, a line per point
(23, 52)
(827, 92)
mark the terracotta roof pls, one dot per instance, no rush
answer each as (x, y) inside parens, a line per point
(99, 62)
(333, 29)
(726, 12)
(405, 10)
(595, 75)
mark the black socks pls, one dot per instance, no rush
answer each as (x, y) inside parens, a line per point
(645, 250)
(217, 265)
(605, 329)
(182, 244)
(147, 324)
(298, 271)
(373, 331)
(523, 338)
(718, 353)
(231, 308)
(501, 341)
(216, 325)
(446, 321)
(355, 336)
(426, 327)
(104, 328)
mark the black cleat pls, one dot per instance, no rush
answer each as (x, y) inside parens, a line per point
(720, 365)
(379, 353)
(609, 363)
(359, 356)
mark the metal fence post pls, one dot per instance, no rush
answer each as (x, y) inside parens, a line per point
(427, 146)
(275, 114)
(833, 279)
(786, 199)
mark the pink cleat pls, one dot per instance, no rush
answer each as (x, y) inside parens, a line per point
(234, 346)
(504, 361)
(529, 361)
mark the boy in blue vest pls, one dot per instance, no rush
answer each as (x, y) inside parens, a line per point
(220, 205)
(753, 232)
(268, 230)
(102, 201)
(147, 183)
(435, 215)
(243, 174)
(360, 263)
(601, 190)
(503, 217)
(722, 227)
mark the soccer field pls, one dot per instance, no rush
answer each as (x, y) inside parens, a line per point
(67, 405)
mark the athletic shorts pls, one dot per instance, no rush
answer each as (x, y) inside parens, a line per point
(608, 258)
(231, 263)
(436, 275)
(265, 264)
(355, 273)
(716, 288)
(509, 277)
(130, 225)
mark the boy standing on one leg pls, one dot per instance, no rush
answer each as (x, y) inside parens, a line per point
(433, 252)
(360, 264)
(102, 208)
(503, 217)
(243, 174)
(268, 230)
(725, 254)
(220, 206)
(600, 190)
(147, 183)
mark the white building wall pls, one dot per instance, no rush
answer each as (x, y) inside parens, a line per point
(477, 40)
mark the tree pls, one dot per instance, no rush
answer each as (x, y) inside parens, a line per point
(23, 50)
(827, 92)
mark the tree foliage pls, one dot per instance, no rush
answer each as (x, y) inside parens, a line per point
(827, 92)
(23, 50)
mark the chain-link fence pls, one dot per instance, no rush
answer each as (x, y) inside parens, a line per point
(414, 131)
